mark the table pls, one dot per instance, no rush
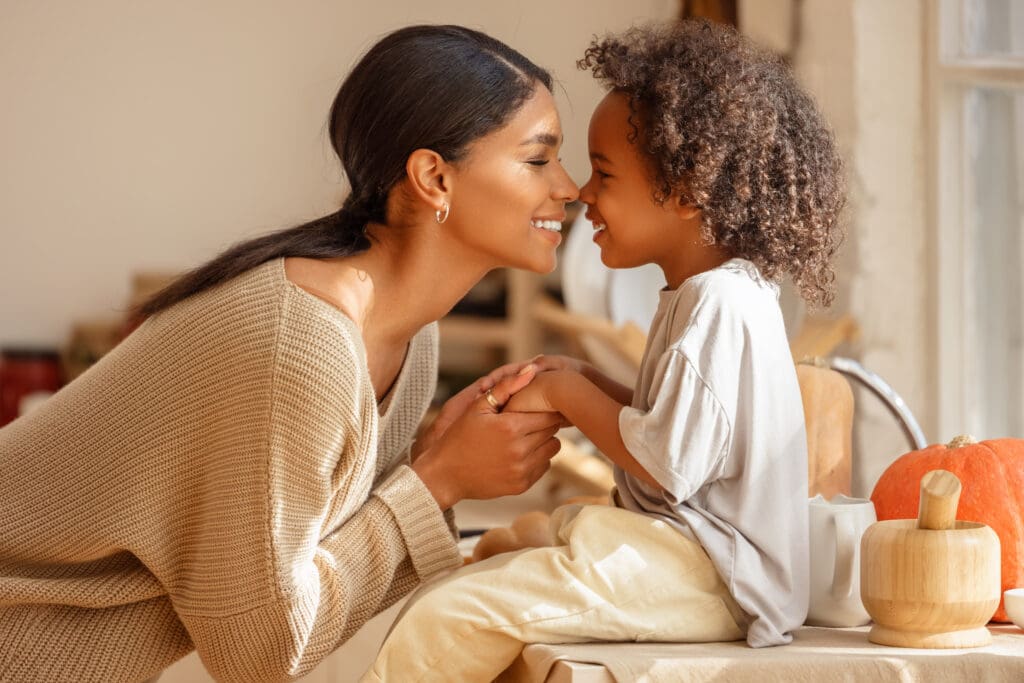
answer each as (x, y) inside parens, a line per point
(816, 654)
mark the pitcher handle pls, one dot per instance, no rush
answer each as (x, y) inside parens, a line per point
(842, 576)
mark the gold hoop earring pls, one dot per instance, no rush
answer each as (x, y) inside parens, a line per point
(442, 217)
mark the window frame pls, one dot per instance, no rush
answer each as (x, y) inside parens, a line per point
(949, 75)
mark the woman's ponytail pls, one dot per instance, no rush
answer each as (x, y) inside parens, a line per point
(341, 233)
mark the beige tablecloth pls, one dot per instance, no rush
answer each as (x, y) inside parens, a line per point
(816, 654)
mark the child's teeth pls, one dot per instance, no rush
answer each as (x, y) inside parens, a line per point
(553, 226)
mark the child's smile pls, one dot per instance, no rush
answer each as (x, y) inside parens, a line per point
(630, 226)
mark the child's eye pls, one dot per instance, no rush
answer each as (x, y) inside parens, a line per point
(602, 174)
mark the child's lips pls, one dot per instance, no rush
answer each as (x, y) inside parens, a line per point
(598, 224)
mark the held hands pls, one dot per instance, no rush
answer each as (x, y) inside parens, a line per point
(457, 405)
(477, 452)
(538, 396)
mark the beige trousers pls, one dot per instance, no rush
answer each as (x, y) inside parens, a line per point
(620, 576)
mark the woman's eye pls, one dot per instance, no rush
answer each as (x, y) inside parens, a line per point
(538, 162)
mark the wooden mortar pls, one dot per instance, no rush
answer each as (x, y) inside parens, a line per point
(932, 582)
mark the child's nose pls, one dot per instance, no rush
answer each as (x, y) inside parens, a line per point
(586, 193)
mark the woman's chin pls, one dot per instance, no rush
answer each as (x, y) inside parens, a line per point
(536, 262)
(542, 266)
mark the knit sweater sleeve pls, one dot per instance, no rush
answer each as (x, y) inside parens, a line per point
(338, 549)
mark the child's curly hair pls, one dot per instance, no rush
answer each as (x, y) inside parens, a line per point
(728, 129)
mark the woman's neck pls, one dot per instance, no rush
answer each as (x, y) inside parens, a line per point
(407, 279)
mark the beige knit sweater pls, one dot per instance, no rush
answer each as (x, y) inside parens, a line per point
(222, 480)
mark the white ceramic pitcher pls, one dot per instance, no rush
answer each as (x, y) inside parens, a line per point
(836, 527)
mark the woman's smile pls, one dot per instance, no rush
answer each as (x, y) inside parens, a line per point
(549, 228)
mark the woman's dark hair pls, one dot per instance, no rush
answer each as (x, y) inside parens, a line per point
(420, 87)
(726, 127)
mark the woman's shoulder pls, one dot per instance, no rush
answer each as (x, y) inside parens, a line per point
(256, 314)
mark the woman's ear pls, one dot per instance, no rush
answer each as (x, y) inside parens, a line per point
(429, 177)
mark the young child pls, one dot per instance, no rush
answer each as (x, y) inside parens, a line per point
(709, 161)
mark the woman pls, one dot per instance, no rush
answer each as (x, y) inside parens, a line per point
(239, 475)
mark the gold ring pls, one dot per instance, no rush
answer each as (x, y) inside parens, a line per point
(493, 401)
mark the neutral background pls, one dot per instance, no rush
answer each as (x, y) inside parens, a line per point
(149, 135)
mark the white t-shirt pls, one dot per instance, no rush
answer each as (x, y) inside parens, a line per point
(718, 421)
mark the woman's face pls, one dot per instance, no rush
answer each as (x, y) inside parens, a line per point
(509, 192)
(630, 226)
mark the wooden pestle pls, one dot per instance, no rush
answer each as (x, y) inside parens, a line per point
(940, 496)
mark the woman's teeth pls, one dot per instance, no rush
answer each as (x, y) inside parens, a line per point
(553, 226)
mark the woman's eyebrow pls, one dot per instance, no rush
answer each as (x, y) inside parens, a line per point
(549, 139)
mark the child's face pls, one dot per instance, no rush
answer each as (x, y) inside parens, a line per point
(632, 228)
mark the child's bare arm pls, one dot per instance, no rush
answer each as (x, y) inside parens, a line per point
(588, 407)
(619, 392)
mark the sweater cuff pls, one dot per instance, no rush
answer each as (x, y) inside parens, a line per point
(427, 536)
(449, 519)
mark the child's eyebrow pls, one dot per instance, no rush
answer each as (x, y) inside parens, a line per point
(597, 156)
(549, 139)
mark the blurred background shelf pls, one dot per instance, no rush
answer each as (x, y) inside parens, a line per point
(514, 334)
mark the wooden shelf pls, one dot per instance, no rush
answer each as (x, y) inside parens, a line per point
(473, 330)
(518, 333)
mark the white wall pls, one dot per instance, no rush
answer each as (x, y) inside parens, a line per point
(890, 288)
(149, 135)
(864, 62)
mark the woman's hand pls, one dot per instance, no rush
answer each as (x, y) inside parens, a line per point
(486, 454)
(456, 406)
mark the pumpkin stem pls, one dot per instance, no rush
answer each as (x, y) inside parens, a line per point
(961, 441)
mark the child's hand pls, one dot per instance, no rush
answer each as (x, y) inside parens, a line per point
(555, 362)
(536, 396)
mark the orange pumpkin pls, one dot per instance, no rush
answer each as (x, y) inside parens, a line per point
(992, 474)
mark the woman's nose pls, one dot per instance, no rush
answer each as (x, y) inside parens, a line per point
(566, 190)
